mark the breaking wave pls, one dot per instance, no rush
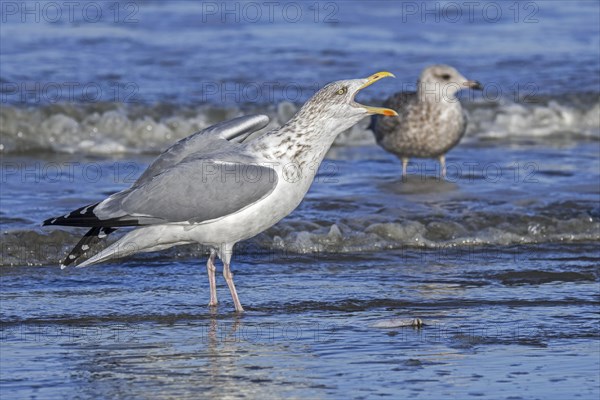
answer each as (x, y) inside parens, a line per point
(289, 238)
(109, 128)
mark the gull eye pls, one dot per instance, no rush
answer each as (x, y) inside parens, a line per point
(342, 91)
(445, 77)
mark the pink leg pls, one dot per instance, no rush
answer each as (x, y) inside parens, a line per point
(225, 253)
(443, 166)
(229, 279)
(212, 280)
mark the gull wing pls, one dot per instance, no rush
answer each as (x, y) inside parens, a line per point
(181, 190)
(214, 138)
(401, 102)
(197, 190)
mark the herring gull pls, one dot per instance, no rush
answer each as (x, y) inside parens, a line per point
(216, 189)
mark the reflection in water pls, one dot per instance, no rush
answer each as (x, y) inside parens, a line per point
(208, 357)
(418, 185)
(215, 356)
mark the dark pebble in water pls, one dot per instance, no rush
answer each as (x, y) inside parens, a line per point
(411, 362)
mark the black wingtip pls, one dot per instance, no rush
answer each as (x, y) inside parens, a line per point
(49, 221)
(83, 216)
(92, 237)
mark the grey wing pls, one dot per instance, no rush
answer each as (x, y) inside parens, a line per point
(214, 138)
(197, 190)
(400, 102)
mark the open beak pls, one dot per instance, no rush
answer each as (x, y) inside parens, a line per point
(475, 85)
(377, 110)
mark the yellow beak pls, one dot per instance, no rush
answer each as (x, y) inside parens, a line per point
(378, 110)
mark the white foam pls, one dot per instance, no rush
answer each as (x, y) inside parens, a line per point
(110, 129)
(512, 120)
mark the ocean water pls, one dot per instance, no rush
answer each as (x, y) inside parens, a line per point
(499, 260)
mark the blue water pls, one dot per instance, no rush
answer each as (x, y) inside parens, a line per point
(500, 260)
(178, 51)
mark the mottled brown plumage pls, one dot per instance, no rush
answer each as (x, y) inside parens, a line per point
(430, 121)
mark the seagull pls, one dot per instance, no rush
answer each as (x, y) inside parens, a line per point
(430, 122)
(216, 188)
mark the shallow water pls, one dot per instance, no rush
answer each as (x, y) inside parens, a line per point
(517, 326)
(500, 260)
(503, 273)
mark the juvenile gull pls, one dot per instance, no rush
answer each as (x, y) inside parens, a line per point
(430, 121)
(216, 190)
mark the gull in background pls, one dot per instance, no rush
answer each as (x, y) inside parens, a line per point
(431, 121)
(216, 189)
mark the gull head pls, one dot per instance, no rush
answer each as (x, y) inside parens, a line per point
(445, 79)
(334, 105)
